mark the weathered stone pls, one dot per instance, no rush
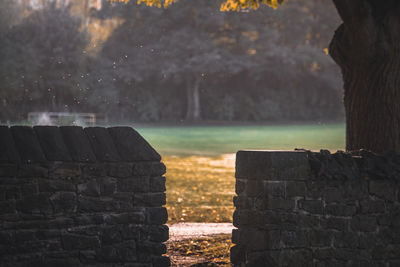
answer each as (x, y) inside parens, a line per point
(345, 240)
(9, 153)
(27, 144)
(73, 241)
(52, 143)
(363, 223)
(77, 144)
(301, 258)
(64, 202)
(33, 171)
(149, 169)
(8, 170)
(102, 144)
(321, 238)
(161, 261)
(132, 146)
(157, 184)
(126, 218)
(88, 204)
(93, 170)
(140, 184)
(157, 215)
(382, 189)
(64, 170)
(47, 185)
(295, 189)
(312, 206)
(370, 206)
(149, 200)
(272, 165)
(154, 248)
(108, 186)
(240, 186)
(36, 204)
(120, 170)
(159, 233)
(111, 235)
(91, 188)
(275, 189)
(254, 188)
(340, 210)
(294, 239)
(335, 223)
(280, 204)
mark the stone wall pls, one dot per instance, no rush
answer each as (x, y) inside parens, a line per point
(316, 209)
(80, 197)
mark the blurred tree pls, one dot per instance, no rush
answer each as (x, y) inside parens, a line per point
(44, 65)
(365, 47)
(220, 59)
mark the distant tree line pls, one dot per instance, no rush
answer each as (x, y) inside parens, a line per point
(190, 62)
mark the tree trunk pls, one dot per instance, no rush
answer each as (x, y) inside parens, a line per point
(367, 49)
(193, 110)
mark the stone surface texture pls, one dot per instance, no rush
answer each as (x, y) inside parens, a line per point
(75, 197)
(303, 208)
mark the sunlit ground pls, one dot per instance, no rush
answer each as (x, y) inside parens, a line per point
(201, 162)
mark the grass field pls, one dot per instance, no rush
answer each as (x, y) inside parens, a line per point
(200, 161)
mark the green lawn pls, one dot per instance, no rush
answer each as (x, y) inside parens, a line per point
(200, 161)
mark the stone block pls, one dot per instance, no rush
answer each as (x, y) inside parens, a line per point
(159, 233)
(107, 185)
(126, 218)
(140, 184)
(152, 248)
(157, 215)
(240, 186)
(78, 242)
(312, 206)
(111, 235)
(161, 261)
(383, 189)
(35, 204)
(345, 240)
(272, 165)
(334, 223)
(33, 171)
(372, 206)
(295, 239)
(241, 202)
(254, 189)
(90, 204)
(27, 144)
(102, 144)
(64, 202)
(93, 170)
(275, 189)
(8, 170)
(300, 258)
(9, 153)
(120, 170)
(47, 185)
(157, 184)
(280, 204)
(341, 210)
(321, 238)
(149, 169)
(364, 223)
(64, 170)
(295, 189)
(52, 143)
(77, 144)
(90, 188)
(238, 255)
(132, 146)
(149, 200)
(334, 194)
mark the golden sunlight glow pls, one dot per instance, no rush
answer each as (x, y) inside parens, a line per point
(228, 5)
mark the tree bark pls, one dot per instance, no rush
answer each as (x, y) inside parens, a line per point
(367, 49)
(193, 111)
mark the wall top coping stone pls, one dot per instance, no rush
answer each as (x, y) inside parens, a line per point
(42, 144)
